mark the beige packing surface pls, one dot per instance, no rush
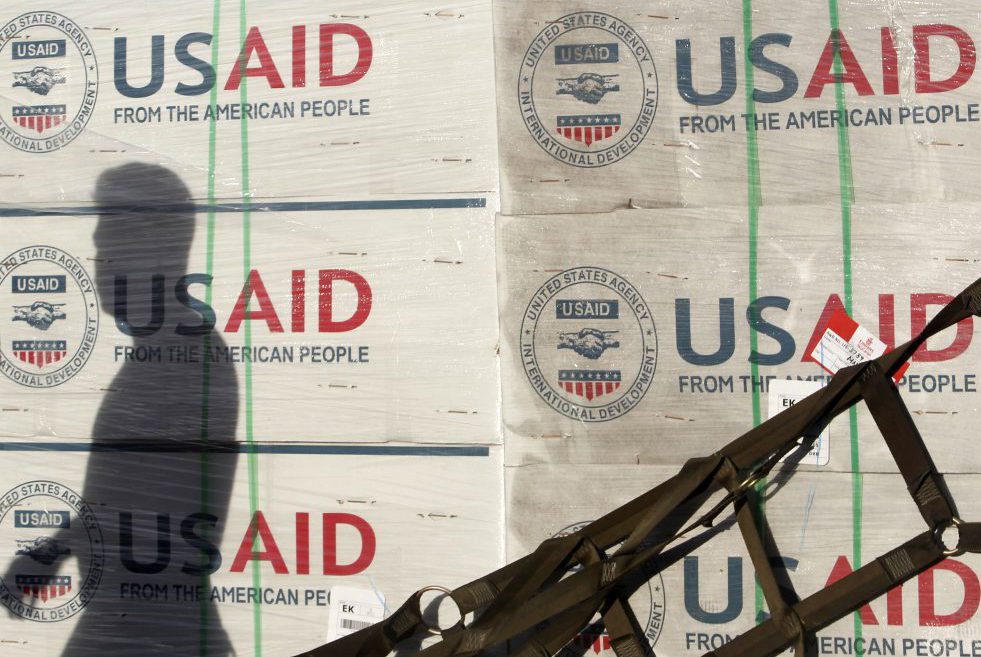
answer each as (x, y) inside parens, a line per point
(655, 75)
(649, 312)
(342, 207)
(380, 324)
(148, 553)
(345, 102)
(832, 198)
(243, 289)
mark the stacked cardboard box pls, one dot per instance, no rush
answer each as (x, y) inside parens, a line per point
(690, 195)
(251, 392)
(257, 308)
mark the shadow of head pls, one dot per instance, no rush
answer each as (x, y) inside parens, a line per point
(145, 227)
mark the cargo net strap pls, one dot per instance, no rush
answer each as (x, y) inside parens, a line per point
(539, 603)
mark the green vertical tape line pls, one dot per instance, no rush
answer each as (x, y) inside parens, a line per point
(847, 196)
(253, 457)
(204, 621)
(753, 201)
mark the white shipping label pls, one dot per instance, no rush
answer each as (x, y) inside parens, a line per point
(845, 342)
(786, 393)
(353, 609)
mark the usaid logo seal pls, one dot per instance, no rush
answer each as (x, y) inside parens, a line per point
(588, 344)
(50, 80)
(647, 603)
(50, 316)
(587, 89)
(52, 555)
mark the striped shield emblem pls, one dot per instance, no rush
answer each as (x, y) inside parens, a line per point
(44, 587)
(588, 128)
(40, 352)
(40, 117)
(589, 384)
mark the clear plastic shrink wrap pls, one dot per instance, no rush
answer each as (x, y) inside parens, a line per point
(250, 387)
(692, 192)
(269, 367)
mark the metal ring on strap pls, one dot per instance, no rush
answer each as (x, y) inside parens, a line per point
(435, 629)
(938, 535)
(749, 482)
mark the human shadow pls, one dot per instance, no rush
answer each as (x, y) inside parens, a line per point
(162, 465)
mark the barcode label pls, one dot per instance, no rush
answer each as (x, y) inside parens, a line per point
(353, 609)
(786, 393)
(350, 624)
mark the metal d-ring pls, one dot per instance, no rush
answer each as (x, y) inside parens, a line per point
(938, 535)
(750, 481)
(435, 629)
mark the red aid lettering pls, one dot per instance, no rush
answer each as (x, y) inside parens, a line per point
(843, 568)
(326, 296)
(266, 69)
(921, 63)
(890, 67)
(367, 555)
(969, 606)
(365, 52)
(266, 310)
(299, 56)
(270, 554)
(887, 320)
(894, 606)
(824, 75)
(917, 320)
(302, 543)
(299, 300)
